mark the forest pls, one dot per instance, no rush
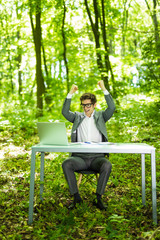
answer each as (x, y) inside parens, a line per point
(46, 47)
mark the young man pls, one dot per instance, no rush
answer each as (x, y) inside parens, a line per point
(88, 126)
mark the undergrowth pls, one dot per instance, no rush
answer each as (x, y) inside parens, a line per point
(135, 120)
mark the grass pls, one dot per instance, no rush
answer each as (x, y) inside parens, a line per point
(136, 120)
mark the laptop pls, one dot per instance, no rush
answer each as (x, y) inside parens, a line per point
(52, 133)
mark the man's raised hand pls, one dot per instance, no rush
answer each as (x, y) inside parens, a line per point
(101, 84)
(74, 88)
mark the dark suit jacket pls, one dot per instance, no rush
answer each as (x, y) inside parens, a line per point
(101, 117)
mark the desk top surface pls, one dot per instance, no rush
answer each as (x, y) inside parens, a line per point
(96, 147)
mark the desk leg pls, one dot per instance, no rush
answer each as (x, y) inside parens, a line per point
(154, 198)
(143, 179)
(32, 180)
(42, 176)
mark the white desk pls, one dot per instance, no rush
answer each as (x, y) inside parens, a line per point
(139, 148)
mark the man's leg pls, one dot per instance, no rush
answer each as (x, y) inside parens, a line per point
(69, 166)
(103, 166)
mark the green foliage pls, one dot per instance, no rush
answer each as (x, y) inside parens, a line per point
(131, 42)
(149, 77)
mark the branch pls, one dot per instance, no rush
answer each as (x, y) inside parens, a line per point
(31, 18)
(90, 18)
(149, 8)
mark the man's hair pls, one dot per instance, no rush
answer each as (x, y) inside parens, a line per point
(90, 96)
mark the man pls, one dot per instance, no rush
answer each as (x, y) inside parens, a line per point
(88, 126)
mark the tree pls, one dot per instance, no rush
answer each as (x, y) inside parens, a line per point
(7, 52)
(37, 37)
(99, 28)
(153, 15)
(19, 50)
(64, 45)
(124, 26)
(149, 71)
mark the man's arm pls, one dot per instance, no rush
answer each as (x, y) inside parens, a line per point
(70, 116)
(107, 114)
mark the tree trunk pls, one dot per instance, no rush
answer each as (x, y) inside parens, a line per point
(10, 71)
(19, 53)
(44, 61)
(37, 35)
(104, 66)
(106, 47)
(156, 25)
(19, 59)
(64, 46)
(48, 98)
(157, 38)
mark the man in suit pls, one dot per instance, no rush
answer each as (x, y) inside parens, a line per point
(88, 126)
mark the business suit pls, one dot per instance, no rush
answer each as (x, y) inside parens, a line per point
(90, 161)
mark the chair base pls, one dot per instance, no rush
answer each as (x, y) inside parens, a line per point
(87, 172)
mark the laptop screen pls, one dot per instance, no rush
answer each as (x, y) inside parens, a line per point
(52, 133)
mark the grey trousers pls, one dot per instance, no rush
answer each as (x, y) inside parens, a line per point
(87, 161)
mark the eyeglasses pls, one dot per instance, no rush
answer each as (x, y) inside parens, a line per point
(88, 105)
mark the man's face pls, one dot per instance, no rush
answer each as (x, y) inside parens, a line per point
(88, 107)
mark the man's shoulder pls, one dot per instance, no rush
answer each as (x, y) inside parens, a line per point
(98, 113)
(79, 114)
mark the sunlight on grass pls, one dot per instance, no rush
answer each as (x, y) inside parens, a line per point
(14, 151)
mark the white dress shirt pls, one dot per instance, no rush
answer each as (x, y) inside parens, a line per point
(87, 131)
